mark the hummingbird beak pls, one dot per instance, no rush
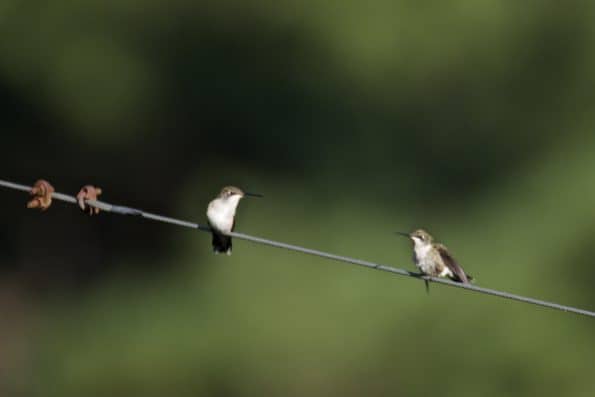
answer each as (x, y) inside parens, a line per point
(404, 234)
(253, 194)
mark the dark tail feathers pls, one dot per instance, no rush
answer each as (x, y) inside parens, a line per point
(221, 244)
(458, 280)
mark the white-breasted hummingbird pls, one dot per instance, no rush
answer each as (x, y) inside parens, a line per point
(433, 259)
(221, 214)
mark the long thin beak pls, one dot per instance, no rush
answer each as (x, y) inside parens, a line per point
(403, 234)
(253, 194)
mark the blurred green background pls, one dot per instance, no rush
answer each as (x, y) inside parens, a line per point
(473, 119)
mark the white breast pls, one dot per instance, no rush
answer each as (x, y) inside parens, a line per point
(430, 262)
(421, 251)
(424, 261)
(221, 213)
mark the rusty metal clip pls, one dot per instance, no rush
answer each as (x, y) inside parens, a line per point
(42, 192)
(88, 192)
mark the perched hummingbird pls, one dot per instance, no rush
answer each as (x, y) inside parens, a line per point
(221, 214)
(433, 259)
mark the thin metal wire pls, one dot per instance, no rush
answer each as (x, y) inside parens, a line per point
(345, 259)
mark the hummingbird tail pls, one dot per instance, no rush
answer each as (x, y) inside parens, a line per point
(458, 279)
(221, 244)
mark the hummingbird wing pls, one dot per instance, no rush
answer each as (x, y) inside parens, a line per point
(452, 264)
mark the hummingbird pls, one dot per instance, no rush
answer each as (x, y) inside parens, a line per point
(433, 259)
(221, 214)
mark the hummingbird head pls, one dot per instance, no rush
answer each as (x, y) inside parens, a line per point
(235, 194)
(231, 191)
(419, 237)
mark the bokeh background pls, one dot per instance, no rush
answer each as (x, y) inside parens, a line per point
(473, 119)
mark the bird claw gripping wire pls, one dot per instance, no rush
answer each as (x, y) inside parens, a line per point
(42, 192)
(88, 192)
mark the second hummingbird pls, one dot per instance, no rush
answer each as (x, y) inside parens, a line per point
(433, 259)
(221, 214)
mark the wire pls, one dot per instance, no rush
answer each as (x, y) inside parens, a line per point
(121, 210)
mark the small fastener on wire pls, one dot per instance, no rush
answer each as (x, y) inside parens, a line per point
(88, 192)
(42, 192)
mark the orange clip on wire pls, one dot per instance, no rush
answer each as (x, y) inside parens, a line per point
(42, 192)
(88, 192)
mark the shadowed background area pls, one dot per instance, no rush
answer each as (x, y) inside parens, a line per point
(471, 119)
